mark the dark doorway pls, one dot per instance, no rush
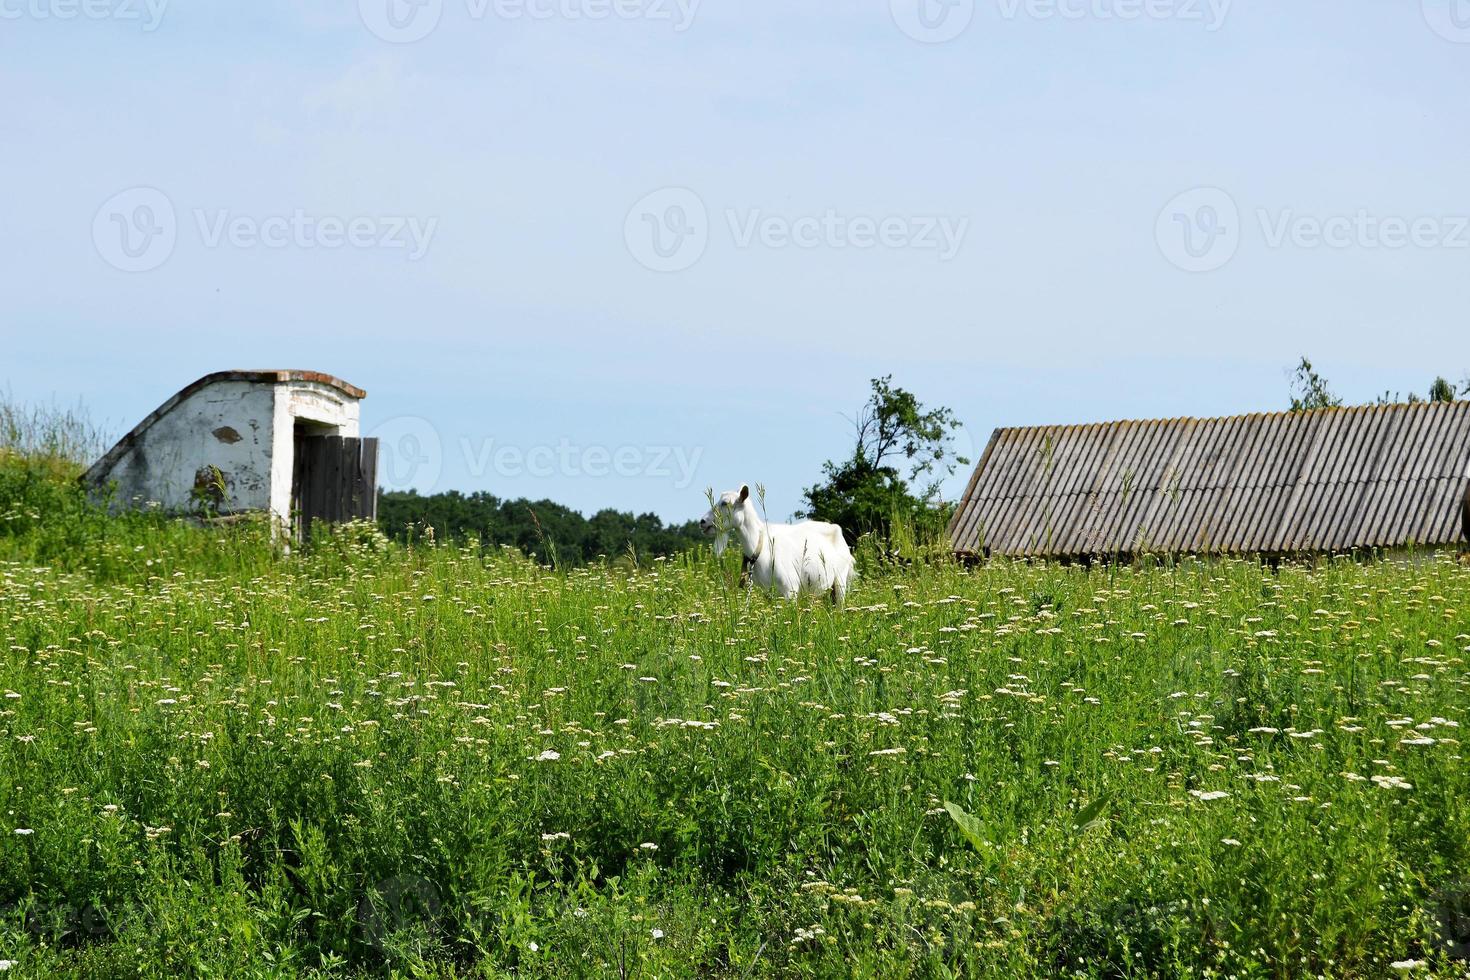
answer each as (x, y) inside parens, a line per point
(333, 478)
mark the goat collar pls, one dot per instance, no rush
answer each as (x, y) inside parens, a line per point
(747, 562)
(759, 547)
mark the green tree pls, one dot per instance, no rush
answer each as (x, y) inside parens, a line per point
(1442, 391)
(1309, 389)
(898, 442)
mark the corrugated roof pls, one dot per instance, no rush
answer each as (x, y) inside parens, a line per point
(1326, 480)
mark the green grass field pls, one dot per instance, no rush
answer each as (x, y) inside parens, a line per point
(439, 763)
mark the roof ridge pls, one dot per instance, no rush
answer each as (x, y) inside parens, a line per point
(260, 376)
(1280, 413)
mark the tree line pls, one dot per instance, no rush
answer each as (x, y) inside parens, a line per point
(543, 529)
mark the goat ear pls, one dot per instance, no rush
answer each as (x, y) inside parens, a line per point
(744, 493)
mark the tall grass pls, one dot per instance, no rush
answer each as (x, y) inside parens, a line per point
(58, 441)
(439, 762)
(48, 517)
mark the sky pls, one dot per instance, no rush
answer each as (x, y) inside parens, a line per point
(614, 252)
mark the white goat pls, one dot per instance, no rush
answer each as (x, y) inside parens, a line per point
(809, 557)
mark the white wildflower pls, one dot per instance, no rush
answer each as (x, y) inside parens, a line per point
(1392, 782)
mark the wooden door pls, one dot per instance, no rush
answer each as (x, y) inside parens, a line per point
(334, 479)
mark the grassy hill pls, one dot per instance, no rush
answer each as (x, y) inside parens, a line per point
(436, 761)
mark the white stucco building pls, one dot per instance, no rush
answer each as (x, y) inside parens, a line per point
(283, 442)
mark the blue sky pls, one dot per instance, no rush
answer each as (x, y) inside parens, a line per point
(615, 251)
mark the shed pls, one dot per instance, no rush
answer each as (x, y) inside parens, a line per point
(1329, 480)
(280, 442)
